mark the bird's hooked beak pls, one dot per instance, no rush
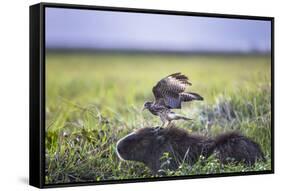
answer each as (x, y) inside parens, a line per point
(143, 108)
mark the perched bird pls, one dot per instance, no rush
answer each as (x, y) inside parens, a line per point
(163, 112)
(169, 94)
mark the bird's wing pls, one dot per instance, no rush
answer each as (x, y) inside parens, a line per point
(167, 90)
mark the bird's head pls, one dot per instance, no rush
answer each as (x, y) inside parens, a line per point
(147, 105)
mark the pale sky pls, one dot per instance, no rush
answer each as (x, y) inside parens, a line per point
(74, 28)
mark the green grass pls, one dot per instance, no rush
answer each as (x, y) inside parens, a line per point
(94, 100)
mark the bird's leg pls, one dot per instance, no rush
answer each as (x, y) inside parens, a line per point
(163, 120)
(169, 122)
(163, 123)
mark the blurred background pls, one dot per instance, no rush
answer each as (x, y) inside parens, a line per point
(85, 47)
(121, 31)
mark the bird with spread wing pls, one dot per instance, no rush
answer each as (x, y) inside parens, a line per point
(169, 93)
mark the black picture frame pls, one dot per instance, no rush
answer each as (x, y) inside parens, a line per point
(37, 93)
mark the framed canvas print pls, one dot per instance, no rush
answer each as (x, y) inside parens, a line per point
(129, 95)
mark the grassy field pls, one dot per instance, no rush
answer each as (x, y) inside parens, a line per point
(94, 100)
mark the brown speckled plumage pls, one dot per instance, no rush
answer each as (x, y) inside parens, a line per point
(169, 94)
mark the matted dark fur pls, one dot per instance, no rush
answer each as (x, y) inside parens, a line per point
(234, 147)
(147, 145)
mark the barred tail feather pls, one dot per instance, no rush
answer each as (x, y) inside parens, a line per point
(175, 116)
(190, 96)
(183, 117)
